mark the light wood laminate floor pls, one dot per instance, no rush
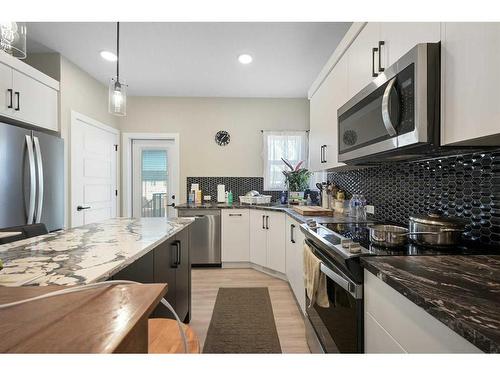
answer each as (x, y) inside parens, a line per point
(207, 281)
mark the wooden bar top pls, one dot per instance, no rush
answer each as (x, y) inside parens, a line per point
(103, 320)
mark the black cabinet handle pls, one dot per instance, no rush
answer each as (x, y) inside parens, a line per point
(292, 227)
(321, 155)
(263, 218)
(10, 91)
(18, 97)
(176, 246)
(235, 214)
(178, 253)
(380, 44)
(80, 208)
(267, 222)
(374, 74)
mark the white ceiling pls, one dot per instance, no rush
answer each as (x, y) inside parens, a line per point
(197, 59)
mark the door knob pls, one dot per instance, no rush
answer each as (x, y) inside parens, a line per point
(172, 204)
(80, 208)
(173, 196)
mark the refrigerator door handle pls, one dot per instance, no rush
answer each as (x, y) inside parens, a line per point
(31, 158)
(39, 163)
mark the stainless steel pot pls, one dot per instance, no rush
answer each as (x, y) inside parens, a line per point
(388, 235)
(435, 230)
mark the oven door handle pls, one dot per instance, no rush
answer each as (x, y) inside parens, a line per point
(386, 115)
(352, 288)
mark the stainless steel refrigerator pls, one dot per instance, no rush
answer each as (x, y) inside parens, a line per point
(31, 178)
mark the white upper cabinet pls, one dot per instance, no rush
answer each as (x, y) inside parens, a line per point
(323, 136)
(400, 37)
(363, 59)
(34, 102)
(28, 95)
(6, 96)
(470, 81)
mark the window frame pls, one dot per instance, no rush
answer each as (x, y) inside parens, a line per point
(303, 154)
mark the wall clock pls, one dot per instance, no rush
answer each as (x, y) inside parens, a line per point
(222, 138)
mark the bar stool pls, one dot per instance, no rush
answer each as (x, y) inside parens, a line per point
(164, 337)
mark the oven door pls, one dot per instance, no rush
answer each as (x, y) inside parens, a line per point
(339, 327)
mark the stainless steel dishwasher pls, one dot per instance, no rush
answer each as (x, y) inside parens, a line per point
(205, 243)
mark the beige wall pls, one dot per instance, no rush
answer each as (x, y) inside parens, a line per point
(197, 120)
(48, 63)
(84, 94)
(79, 92)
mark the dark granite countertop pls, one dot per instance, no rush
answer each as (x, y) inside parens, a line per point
(336, 218)
(462, 292)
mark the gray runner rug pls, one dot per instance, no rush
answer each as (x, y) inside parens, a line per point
(242, 322)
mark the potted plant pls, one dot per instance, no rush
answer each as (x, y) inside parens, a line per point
(297, 180)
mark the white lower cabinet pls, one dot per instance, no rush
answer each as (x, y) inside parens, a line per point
(276, 252)
(258, 237)
(394, 324)
(267, 239)
(294, 260)
(235, 235)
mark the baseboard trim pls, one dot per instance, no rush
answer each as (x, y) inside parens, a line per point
(256, 267)
(236, 265)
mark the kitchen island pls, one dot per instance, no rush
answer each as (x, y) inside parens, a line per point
(89, 253)
(146, 250)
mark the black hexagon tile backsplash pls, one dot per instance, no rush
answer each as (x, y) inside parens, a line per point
(467, 186)
(238, 185)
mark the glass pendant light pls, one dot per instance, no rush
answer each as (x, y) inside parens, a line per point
(13, 38)
(117, 103)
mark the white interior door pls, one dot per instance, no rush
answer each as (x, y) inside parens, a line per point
(154, 185)
(93, 171)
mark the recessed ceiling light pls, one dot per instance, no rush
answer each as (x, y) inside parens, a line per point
(107, 55)
(245, 58)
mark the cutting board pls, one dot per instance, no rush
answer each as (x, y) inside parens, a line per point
(313, 211)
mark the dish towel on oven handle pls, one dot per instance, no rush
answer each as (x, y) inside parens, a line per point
(314, 279)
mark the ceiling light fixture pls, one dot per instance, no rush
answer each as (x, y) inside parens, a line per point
(13, 38)
(109, 56)
(245, 58)
(117, 101)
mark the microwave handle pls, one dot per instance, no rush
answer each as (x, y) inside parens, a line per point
(386, 116)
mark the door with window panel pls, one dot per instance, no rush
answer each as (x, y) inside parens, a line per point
(152, 186)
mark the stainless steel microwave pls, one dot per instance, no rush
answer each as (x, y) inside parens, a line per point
(397, 115)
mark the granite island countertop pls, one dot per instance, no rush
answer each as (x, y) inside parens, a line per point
(336, 218)
(463, 292)
(89, 253)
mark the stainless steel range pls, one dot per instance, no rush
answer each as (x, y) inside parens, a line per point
(339, 328)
